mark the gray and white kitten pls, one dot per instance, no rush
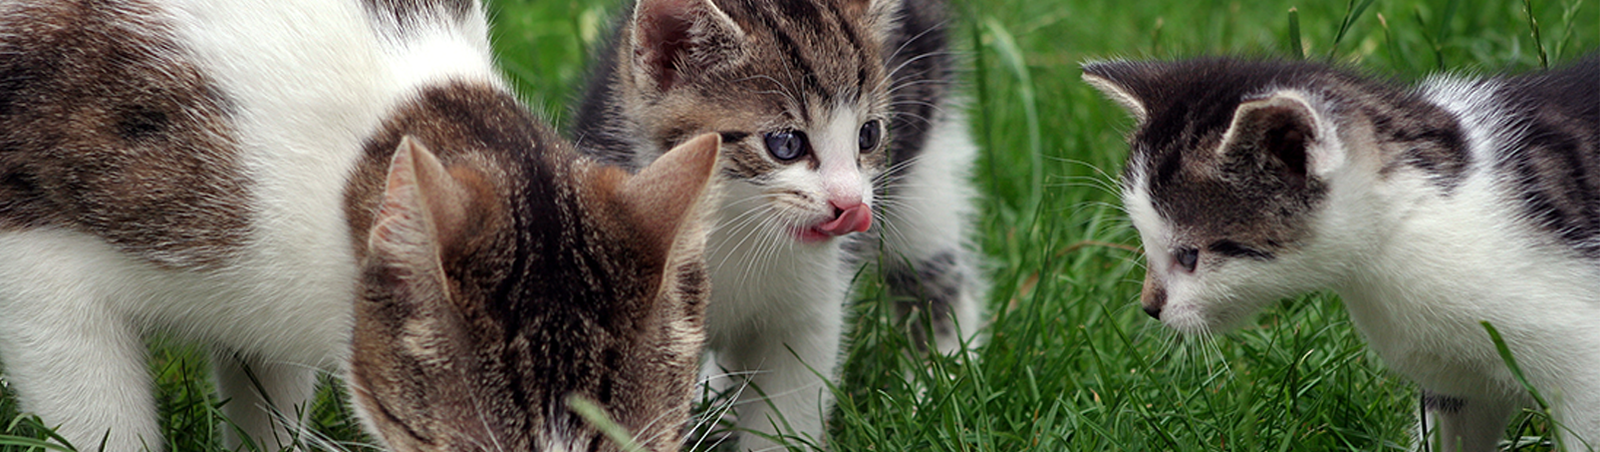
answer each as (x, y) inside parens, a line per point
(836, 114)
(1428, 209)
(243, 173)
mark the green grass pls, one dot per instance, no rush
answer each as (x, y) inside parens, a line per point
(1073, 364)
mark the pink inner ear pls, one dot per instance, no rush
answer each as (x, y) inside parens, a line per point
(663, 37)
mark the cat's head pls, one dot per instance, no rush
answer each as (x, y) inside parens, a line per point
(496, 288)
(1229, 179)
(798, 90)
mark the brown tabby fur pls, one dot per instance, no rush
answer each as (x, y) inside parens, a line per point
(498, 285)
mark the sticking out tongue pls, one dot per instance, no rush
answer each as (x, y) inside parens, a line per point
(854, 219)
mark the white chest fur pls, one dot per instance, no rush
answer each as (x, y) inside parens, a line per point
(1453, 263)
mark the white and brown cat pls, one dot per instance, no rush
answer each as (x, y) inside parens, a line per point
(1428, 209)
(262, 176)
(837, 118)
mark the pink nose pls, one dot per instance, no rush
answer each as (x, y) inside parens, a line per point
(856, 218)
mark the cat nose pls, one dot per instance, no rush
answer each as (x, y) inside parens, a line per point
(1154, 297)
(1153, 310)
(842, 204)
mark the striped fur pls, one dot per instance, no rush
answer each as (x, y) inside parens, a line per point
(826, 69)
(227, 171)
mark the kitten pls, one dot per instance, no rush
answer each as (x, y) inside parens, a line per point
(214, 168)
(836, 115)
(1429, 210)
(485, 306)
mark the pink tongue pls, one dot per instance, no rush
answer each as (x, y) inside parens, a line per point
(854, 219)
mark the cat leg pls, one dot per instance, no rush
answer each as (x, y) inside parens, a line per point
(943, 288)
(1578, 411)
(787, 390)
(928, 205)
(77, 365)
(1462, 425)
(266, 400)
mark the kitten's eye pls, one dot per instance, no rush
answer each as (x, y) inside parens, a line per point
(1187, 257)
(786, 145)
(871, 132)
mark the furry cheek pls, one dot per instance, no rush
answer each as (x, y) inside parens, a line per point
(1186, 313)
(1228, 293)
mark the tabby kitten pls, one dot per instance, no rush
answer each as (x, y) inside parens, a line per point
(836, 115)
(215, 169)
(1429, 210)
(484, 307)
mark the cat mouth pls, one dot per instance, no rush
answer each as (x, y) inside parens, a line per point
(854, 219)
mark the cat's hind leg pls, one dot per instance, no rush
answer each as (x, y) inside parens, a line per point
(70, 356)
(1578, 412)
(266, 400)
(928, 205)
(1464, 425)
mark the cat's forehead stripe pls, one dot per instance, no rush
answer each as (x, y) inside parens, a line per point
(795, 59)
(809, 41)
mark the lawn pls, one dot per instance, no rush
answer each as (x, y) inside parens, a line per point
(1072, 363)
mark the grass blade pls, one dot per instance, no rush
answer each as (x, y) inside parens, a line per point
(1155, 36)
(1568, 12)
(1012, 57)
(1538, 43)
(1516, 372)
(1433, 39)
(1511, 362)
(1443, 32)
(1351, 13)
(32, 443)
(1396, 57)
(1295, 44)
(597, 417)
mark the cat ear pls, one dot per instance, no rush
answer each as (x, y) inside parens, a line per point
(672, 197)
(425, 208)
(673, 37)
(878, 13)
(1286, 127)
(411, 350)
(1116, 80)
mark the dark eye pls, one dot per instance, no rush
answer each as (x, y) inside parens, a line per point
(1187, 257)
(871, 132)
(786, 145)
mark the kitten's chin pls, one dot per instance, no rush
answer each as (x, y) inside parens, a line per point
(811, 235)
(1186, 322)
(1193, 320)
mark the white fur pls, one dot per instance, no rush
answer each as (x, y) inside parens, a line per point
(778, 306)
(1115, 90)
(933, 212)
(1418, 272)
(308, 81)
(838, 173)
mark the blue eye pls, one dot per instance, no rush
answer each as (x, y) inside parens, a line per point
(1187, 257)
(871, 133)
(786, 146)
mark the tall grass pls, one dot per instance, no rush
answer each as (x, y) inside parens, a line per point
(1071, 363)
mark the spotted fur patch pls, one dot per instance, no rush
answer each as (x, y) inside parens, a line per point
(106, 128)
